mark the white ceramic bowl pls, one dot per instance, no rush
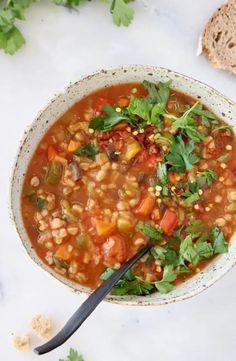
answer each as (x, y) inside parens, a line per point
(220, 105)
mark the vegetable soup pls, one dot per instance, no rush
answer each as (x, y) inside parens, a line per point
(126, 164)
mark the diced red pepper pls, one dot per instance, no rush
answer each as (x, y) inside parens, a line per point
(100, 102)
(151, 161)
(168, 222)
(51, 153)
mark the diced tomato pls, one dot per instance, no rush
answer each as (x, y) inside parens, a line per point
(98, 239)
(168, 222)
(123, 102)
(100, 102)
(151, 161)
(114, 250)
(145, 207)
(51, 153)
(140, 158)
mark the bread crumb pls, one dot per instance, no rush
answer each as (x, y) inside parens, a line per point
(22, 343)
(41, 325)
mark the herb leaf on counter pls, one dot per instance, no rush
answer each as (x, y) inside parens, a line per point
(11, 38)
(73, 356)
(122, 13)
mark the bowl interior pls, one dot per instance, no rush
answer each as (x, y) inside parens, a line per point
(221, 106)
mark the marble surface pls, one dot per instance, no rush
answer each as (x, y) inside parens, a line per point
(62, 46)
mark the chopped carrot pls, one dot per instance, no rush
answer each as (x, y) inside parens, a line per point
(72, 146)
(168, 221)
(63, 253)
(167, 122)
(145, 207)
(123, 102)
(51, 153)
(103, 228)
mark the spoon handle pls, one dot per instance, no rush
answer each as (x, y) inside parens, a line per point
(89, 305)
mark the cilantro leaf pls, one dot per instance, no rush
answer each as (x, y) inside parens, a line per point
(194, 252)
(107, 121)
(207, 117)
(195, 228)
(165, 285)
(191, 197)
(206, 177)
(162, 174)
(106, 274)
(145, 110)
(220, 245)
(41, 203)
(128, 284)
(222, 127)
(187, 124)
(158, 252)
(188, 252)
(158, 94)
(223, 157)
(122, 13)
(73, 356)
(89, 149)
(11, 38)
(68, 3)
(149, 230)
(180, 155)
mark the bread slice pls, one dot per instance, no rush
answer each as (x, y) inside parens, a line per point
(219, 37)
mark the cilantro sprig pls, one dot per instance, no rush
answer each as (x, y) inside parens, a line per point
(181, 156)
(187, 124)
(90, 150)
(11, 11)
(149, 230)
(73, 356)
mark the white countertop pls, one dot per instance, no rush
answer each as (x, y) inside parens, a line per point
(61, 46)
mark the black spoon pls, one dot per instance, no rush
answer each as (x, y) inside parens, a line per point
(89, 305)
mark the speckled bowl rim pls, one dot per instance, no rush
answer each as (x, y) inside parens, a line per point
(152, 300)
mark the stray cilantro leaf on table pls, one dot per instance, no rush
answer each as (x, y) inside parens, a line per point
(73, 356)
(11, 39)
(122, 13)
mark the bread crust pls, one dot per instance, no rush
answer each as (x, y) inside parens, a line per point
(219, 37)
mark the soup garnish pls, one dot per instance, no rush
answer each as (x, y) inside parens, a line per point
(126, 164)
